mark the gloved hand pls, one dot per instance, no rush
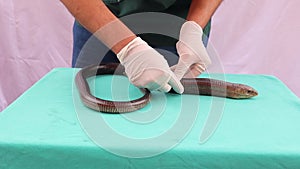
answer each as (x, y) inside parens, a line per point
(193, 57)
(146, 68)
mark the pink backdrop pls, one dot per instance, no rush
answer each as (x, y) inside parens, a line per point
(251, 36)
(35, 37)
(259, 37)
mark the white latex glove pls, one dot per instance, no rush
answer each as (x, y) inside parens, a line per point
(146, 68)
(193, 57)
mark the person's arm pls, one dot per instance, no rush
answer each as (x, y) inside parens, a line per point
(202, 10)
(144, 66)
(98, 19)
(194, 58)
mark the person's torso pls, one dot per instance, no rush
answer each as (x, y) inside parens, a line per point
(170, 15)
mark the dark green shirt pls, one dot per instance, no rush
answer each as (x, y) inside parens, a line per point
(178, 8)
(125, 7)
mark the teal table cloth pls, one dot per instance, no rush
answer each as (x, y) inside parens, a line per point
(49, 127)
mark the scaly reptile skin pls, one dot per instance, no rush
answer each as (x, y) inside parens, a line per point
(196, 86)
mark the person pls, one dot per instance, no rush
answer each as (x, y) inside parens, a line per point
(145, 66)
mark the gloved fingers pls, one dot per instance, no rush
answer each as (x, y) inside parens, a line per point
(187, 53)
(155, 79)
(180, 71)
(194, 71)
(200, 66)
(165, 88)
(182, 68)
(160, 80)
(175, 83)
(173, 68)
(146, 68)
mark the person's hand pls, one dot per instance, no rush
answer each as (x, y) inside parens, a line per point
(146, 68)
(193, 57)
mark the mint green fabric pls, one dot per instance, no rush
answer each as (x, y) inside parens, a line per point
(41, 129)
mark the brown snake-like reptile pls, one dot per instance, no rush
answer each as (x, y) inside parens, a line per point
(196, 86)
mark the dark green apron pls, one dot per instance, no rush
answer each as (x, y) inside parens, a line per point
(174, 7)
(123, 9)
